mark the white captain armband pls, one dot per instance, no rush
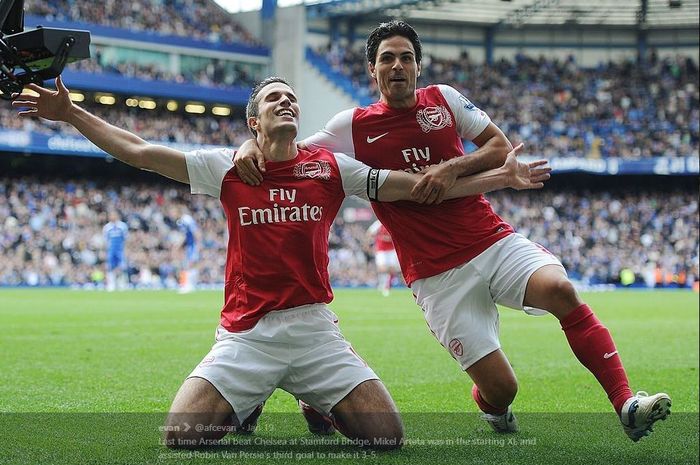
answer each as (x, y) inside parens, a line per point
(373, 184)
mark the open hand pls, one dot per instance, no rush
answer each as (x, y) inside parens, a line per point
(521, 176)
(54, 105)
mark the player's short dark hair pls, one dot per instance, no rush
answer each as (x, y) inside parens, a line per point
(393, 28)
(251, 109)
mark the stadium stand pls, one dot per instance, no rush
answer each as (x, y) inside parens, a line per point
(216, 74)
(52, 233)
(157, 125)
(50, 226)
(655, 114)
(196, 19)
(618, 109)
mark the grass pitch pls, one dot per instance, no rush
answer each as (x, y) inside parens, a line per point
(88, 376)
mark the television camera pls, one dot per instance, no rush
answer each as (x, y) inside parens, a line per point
(36, 55)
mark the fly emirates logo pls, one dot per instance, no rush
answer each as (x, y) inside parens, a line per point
(418, 158)
(277, 213)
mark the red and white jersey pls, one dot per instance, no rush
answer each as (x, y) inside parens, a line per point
(429, 239)
(277, 255)
(382, 237)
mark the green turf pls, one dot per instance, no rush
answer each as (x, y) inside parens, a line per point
(75, 363)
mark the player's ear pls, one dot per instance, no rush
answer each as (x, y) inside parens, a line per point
(253, 122)
(418, 75)
(371, 69)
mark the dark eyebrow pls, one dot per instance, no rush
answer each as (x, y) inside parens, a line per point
(277, 93)
(388, 53)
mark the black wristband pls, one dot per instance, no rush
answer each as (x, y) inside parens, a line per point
(373, 184)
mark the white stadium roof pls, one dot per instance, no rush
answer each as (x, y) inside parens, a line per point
(516, 13)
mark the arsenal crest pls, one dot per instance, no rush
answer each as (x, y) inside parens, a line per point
(434, 118)
(313, 169)
(456, 347)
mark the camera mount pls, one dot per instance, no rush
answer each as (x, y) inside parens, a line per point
(36, 55)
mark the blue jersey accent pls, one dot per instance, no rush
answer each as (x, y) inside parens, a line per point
(189, 228)
(115, 233)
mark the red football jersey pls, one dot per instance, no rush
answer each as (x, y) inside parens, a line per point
(277, 254)
(429, 239)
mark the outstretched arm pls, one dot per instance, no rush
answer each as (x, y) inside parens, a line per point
(513, 174)
(122, 145)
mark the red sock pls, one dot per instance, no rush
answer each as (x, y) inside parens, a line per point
(594, 347)
(485, 406)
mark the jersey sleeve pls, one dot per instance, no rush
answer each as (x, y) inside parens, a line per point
(471, 121)
(207, 168)
(356, 176)
(336, 136)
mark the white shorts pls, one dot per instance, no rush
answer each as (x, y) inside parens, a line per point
(386, 259)
(460, 304)
(300, 350)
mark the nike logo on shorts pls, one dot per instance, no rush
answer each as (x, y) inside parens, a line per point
(608, 355)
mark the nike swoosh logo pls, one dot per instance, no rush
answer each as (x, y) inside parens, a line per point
(373, 139)
(607, 355)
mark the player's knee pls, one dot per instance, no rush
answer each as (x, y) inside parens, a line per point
(182, 432)
(564, 290)
(510, 390)
(502, 394)
(378, 431)
(173, 439)
(390, 436)
(564, 287)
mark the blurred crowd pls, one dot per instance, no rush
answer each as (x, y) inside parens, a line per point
(214, 74)
(556, 108)
(153, 125)
(51, 234)
(195, 19)
(617, 109)
(598, 234)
